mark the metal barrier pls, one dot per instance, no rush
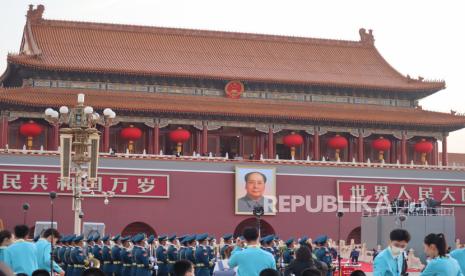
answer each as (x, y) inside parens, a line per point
(417, 211)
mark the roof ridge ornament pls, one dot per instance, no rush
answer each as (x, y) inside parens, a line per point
(35, 15)
(366, 38)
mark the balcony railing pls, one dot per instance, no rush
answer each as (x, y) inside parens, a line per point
(406, 211)
(197, 157)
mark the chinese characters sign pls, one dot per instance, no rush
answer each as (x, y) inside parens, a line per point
(447, 193)
(122, 184)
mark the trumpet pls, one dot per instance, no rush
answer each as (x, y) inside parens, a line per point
(91, 261)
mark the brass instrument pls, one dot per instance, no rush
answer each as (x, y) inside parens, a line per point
(91, 261)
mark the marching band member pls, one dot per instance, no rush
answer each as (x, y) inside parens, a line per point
(116, 255)
(77, 257)
(172, 253)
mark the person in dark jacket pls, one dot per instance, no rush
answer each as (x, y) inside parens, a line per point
(303, 260)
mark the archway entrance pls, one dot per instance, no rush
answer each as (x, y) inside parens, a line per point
(138, 227)
(265, 227)
(356, 235)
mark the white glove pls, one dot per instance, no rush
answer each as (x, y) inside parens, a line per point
(152, 259)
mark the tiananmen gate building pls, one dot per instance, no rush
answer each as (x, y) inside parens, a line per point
(193, 105)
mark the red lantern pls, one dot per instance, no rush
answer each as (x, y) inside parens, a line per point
(293, 140)
(337, 143)
(381, 145)
(179, 136)
(423, 147)
(131, 134)
(30, 130)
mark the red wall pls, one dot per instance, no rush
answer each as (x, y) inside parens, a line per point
(199, 202)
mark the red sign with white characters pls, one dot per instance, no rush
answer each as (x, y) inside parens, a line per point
(448, 193)
(234, 89)
(122, 184)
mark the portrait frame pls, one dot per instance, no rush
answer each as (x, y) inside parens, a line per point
(240, 188)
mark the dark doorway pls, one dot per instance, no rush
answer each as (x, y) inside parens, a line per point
(283, 151)
(138, 227)
(229, 145)
(356, 235)
(265, 227)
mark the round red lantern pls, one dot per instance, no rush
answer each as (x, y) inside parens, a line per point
(30, 130)
(381, 145)
(337, 143)
(179, 136)
(293, 140)
(131, 134)
(424, 147)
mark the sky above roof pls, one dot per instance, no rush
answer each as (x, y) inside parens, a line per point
(417, 37)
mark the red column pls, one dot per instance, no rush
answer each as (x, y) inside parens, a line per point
(205, 140)
(198, 143)
(403, 156)
(150, 140)
(261, 146)
(444, 151)
(361, 157)
(434, 155)
(106, 138)
(306, 146)
(270, 143)
(55, 136)
(3, 131)
(156, 139)
(392, 150)
(316, 146)
(350, 149)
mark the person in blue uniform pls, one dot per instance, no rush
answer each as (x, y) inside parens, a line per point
(172, 252)
(97, 250)
(133, 256)
(141, 256)
(116, 255)
(6, 238)
(44, 251)
(67, 256)
(190, 249)
(162, 256)
(354, 254)
(89, 245)
(21, 255)
(459, 255)
(267, 244)
(56, 249)
(152, 252)
(211, 253)
(390, 261)
(126, 256)
(77, 256)
(106, 256)
(322, 252)
(440, 264)
(61, 252)
(274, 247)
(183, 247)
(202, 264)
(288, 254)
(227, 238)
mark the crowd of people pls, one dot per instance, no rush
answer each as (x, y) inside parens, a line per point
(421, 207)
(199, 255)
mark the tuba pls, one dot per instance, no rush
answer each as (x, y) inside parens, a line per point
(91, 261)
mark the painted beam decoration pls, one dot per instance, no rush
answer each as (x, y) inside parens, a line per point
(447, 192)
(25, 180)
